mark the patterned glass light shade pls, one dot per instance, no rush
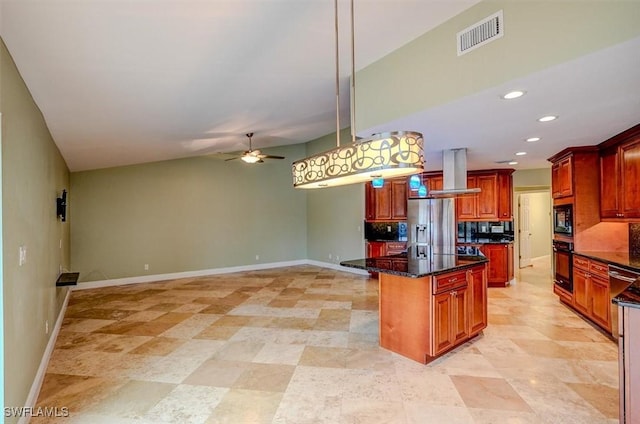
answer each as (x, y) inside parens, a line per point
(414, 182)
(422, 191)
(388, 155)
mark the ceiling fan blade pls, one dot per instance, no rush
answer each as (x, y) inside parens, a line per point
(227, 160)
(271, 157)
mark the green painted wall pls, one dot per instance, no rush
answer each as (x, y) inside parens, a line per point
(33, 174)
(427, 71)
(186, 215)
(335, 215)
(532, 178)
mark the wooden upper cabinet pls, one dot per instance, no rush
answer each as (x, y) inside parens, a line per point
(383, 205)
(620, 176)
(562, 177)
(398, 199)
(487, 200)
(493, 203)
(505, 195)
(466, 206)
(388, 203)
(609, 192)
(630, 178)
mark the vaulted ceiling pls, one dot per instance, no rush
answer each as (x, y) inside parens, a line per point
(136, 81)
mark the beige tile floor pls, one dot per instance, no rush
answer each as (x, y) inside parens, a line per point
(300, 345)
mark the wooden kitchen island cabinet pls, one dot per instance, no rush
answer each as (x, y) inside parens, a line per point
(423, 318)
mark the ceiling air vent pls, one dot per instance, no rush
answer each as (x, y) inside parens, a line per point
(480, 33)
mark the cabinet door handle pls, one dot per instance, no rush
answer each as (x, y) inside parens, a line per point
(453, 280)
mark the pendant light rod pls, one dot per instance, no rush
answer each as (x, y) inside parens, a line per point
(386, 155)
(335, 3)
(353, 77)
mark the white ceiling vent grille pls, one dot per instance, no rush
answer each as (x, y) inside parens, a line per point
(480, 33)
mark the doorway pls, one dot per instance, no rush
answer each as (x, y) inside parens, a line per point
(534, 228)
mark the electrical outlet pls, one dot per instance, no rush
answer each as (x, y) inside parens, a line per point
(146, 267)
(22, 255)
(257, 257)
(46, 327)
(388, 228)
(330, 256)
(60, 243)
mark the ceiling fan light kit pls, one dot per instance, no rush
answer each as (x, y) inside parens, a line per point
(253, 156)
(388, 155)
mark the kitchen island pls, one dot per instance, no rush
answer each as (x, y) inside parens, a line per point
(430, 300)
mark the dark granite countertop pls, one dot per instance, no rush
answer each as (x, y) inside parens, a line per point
(630, 297)
(387, 241)
(420, 261)
(484, 241)
(622, 259)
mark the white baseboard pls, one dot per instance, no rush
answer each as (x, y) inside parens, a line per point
(211, 271)
(32, 398)
(337, 267)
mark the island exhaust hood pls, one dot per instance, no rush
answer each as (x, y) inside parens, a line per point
(454, 175)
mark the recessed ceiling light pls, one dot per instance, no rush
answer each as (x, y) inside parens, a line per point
(513, 94)
(513, 162)
(532, 139)
(547, 118)
(521, 153)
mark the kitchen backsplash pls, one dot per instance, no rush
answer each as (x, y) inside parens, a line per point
(391, 231)
(634, 239)
(483, 230)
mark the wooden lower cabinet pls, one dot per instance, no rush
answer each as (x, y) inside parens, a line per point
(591, 291)
(477, 300)
(600, 302)
(451, 319)
(500, 257)
(422, 318)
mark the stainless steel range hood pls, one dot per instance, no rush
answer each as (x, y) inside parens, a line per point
(454, 175)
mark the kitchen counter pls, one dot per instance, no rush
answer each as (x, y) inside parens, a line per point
(431, 300)
(630, 297)
(463, 242)
(421, 261)
(622, 259)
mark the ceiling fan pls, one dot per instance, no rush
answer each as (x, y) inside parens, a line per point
(254, 156)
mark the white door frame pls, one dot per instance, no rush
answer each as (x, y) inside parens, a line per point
(516, 222)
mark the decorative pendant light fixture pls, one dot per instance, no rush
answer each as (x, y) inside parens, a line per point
(414, 182)
(387, 155)
(377, 182)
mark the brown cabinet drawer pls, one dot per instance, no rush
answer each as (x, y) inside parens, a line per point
(580, 262)
(449, 281)
(598, 268)
(394, 247)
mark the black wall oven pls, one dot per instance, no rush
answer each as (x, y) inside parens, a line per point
(563, 265)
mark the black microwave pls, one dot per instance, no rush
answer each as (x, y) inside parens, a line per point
(563, 220)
